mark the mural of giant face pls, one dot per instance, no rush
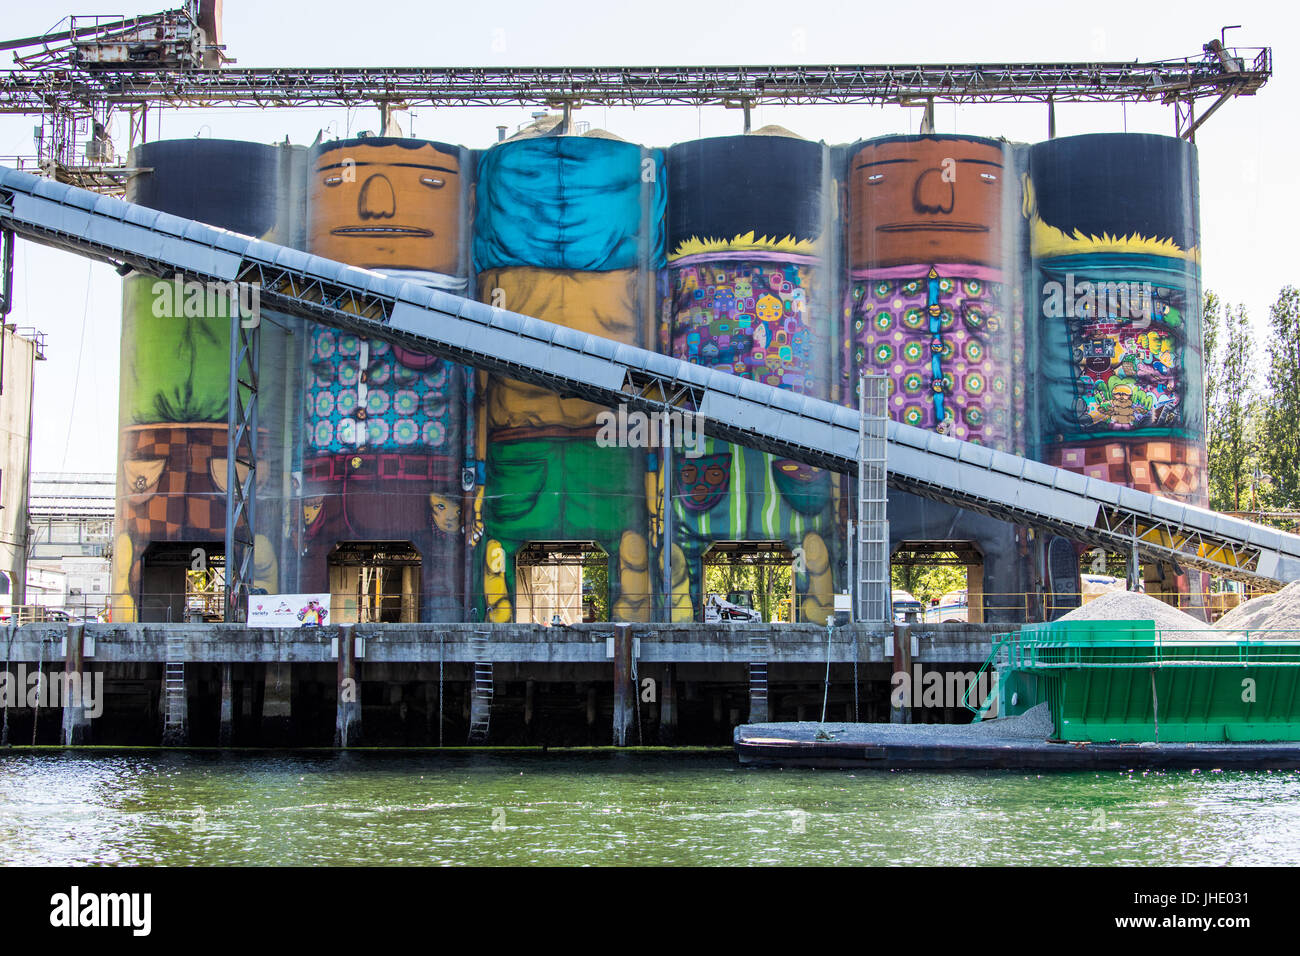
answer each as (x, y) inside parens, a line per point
(926, 200)
(387, 203)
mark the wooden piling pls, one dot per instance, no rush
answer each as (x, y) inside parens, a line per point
(347, 715)
(76, 720)
(624, 692)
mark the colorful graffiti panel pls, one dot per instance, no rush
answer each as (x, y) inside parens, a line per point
(750, 317)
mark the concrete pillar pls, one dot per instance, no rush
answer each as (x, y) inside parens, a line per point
(226, 733)
(591, 705)
(76, 719)
(624, 692)
(902, 665)
(975, 593)
(529, 692)
(668, 706)
(347, 715)
(277, 696)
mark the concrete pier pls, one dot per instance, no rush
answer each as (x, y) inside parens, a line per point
(554, 686)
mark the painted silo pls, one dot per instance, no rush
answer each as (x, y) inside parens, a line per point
(568, 229)
(1116, 306)
(175, 379)
(747, 289)
(384, 430)
(933, 304)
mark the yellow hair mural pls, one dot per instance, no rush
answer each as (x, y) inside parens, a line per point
(745, 242)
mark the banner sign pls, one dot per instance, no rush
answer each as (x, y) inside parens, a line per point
(288, 610)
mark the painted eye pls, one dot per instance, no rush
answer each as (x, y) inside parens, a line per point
(433, 182)
(333, 180)
(875, 179)
(989, 177)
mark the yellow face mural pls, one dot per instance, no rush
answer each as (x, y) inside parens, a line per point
(386, 204)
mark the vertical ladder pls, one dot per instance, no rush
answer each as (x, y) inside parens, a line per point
(873, 597)
(758, 655)
(174, 717)
(480, 706)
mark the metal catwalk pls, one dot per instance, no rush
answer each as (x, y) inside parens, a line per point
(576, 364)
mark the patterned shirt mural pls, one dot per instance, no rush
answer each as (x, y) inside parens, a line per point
(747, 317)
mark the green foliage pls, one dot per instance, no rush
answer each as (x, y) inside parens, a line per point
(1231, 406)
(595, 586)
(1281, 426)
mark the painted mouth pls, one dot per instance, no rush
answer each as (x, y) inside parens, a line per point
(393, 231)
(932, 226)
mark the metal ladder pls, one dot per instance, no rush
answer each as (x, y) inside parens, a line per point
(174, 691)
(481, 704)
(759, 652)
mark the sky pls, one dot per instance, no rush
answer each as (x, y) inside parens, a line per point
(1248, 149)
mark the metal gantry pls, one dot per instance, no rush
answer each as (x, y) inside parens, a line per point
(77, 80)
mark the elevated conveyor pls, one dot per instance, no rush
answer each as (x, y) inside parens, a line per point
(576, 364)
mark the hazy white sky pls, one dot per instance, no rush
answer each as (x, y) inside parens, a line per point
(1248, 149)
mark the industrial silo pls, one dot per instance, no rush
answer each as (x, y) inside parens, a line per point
(933, 304)
(748, 289)
(384, 499)
(569, 230)
(169, 542)
(1115, 307)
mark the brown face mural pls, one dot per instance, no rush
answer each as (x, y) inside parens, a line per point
(925, 201)
(390, 204)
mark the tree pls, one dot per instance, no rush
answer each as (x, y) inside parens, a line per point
(1229, 400)
(1281, 451)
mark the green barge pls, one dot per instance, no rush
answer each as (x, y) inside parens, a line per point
(1087, 695)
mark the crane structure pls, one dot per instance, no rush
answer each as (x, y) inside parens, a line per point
(79, 78)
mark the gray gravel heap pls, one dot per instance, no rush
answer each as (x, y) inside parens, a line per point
(1136, 606)
(1278, 610)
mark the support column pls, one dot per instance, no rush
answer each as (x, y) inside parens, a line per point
(277, 695)
(902, 665)
(624, 692)
(76, 719)
(347, 717)
(668, 706)
(226, 734)
(975, 593)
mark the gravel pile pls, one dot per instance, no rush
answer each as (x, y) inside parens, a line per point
(1033, 724)
(1135, 606)
(1278, 610)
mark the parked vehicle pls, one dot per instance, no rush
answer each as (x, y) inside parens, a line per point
(721, 610)
(952, 608)
(905, 607)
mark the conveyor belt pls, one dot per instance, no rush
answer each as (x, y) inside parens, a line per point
(576, 364)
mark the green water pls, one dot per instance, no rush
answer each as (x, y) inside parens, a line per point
(178, 808)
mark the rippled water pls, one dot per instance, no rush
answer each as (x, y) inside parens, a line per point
(606, 808)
